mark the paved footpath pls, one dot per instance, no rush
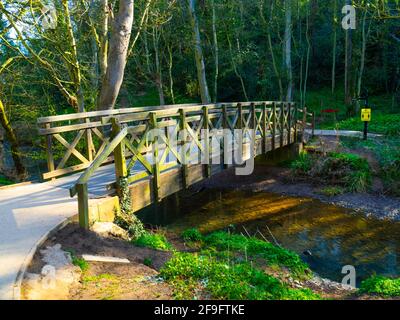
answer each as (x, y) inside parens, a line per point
(341, 133)
(29, 212)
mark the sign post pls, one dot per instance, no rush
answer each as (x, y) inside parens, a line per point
(366, 118)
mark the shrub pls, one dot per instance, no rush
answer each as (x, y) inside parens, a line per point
(192, 235)
(381, 286)
(338, 169)
(154, 241)
(303, 163)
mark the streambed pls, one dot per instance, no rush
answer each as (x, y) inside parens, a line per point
(326, 236)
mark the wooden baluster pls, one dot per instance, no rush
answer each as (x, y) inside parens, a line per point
(119, 154)
(265, 127)
(254, 127)
(295, 122)
(224, 127)
(273, 126)
(282, 120)
(207, 151)
(89, 142)
(156, 165)
(289, 123)
(184, 157)
(49, 150)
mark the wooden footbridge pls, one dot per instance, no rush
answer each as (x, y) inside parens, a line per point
(154, 166)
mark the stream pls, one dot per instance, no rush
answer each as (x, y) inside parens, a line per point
(327, 237)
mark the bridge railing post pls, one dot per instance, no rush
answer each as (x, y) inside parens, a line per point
(264, 128)
(289, 122)
(184, 156)
(119, 154)
(282, 123)
(273, 126)
(49, 150)
(206, 137)
(156, 165)
(83, 205)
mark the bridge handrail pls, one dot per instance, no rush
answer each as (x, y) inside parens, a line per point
(84, 178)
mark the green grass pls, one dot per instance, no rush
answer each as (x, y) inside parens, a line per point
(332, 191)
(79, 262)
(381, 286)
(231, 267)
(192, 235)
(155, 241)
(255, 248)
(240, 281)
(387, 124)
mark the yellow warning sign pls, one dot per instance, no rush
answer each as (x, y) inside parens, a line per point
(366, 115)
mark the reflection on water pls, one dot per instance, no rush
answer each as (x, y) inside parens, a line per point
(334, 236)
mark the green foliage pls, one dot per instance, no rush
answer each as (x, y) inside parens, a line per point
(79, 262)
(239, 281)
(4, 181)
(192, 235)
(387, 124)
(154, 241)
(255, 248)
(303, 163)
(381, 285)
(127, 219)
(338, 169)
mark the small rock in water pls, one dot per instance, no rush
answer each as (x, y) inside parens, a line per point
(307, 253)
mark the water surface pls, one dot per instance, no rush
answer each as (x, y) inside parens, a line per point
(334, 236)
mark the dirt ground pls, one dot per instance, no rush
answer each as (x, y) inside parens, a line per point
(110, 280)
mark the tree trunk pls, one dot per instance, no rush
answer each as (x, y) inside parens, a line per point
(288, 49)
(158, 79)
(171, 79)
(307, 59)
(216, 51)
(200, 65)
(75, 66)
(334, 27)
(348, 63)
(119, 44)
(104, 39)
(365, 35)
(11, 137)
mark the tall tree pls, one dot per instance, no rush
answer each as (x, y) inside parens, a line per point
(288, 49)
(348, 63)
(118, 49)
(198, 52)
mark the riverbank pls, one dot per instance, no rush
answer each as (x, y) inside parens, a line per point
(279, 180)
